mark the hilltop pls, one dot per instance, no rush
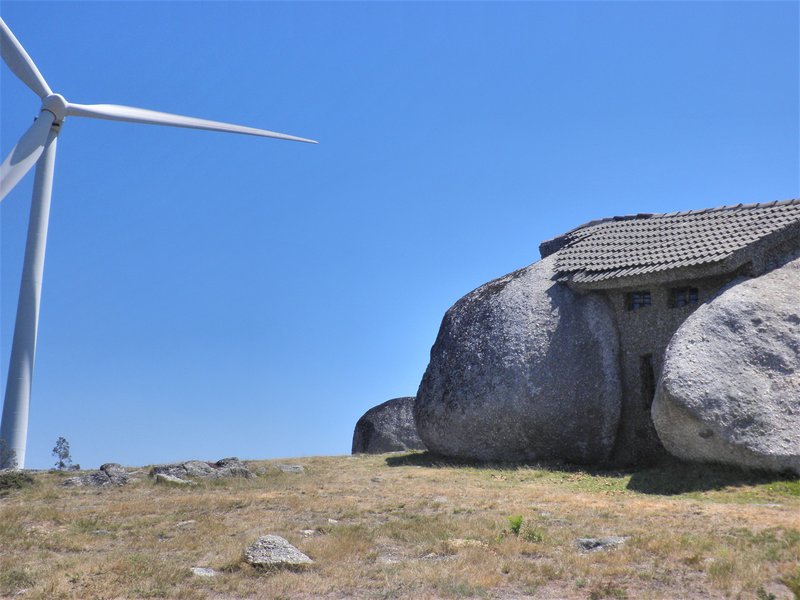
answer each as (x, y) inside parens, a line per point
(409, 526)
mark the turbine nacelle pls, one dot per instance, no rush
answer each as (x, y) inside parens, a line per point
(57, 105)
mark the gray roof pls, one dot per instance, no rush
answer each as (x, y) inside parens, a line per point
(648, 243)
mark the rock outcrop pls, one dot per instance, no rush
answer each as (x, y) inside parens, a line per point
(523, 368)
(388, 427)
(109, 474)
(198, 469)
(730, 388)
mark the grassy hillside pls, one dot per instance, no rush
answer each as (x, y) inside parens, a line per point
(406, 526)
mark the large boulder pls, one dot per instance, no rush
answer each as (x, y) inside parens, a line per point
(730, 388)
(388, 427)
(523, 368)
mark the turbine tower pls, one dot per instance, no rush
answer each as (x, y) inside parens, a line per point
(37, 147)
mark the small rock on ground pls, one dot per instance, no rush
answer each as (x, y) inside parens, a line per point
(274, 551)
(185, 523)
(164, 478)
(291, 468)
(464, 543)
(599, 544)
(204, 572)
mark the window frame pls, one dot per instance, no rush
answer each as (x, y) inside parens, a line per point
(638, 299)
(681, 297)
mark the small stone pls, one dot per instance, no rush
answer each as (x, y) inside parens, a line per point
(185, 523)
(332, 521)
(464, 543)
(432, 556)
(101, 532)
(385, 559)
(275, 551)
(308, 532)
(261, 470)
(204, 572)
(171, 479)
(291, 468)
(599, 544)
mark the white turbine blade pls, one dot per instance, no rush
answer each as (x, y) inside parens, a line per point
(25, 154)
(20, 63)
(115, 112)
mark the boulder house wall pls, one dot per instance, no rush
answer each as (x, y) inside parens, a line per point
(645, 333)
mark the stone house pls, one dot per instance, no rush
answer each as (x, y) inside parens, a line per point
(654, 270)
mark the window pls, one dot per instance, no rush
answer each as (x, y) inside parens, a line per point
(683, 297)
(637, 300)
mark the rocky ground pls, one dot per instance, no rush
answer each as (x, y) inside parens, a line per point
(399, 526)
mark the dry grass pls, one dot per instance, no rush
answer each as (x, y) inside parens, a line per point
(404, 526)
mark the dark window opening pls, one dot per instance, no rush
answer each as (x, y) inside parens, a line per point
(683, 297)
(637, 300)
(647, 377)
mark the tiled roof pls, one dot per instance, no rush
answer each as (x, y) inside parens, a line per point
(648, 243)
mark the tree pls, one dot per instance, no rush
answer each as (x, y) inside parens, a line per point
(61, 452)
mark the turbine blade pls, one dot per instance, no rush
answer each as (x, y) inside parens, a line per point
(25, 154)
(20, 63)
(115, 112)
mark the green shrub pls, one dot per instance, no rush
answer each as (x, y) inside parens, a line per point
(533, 535)
(793, 582)
(12, 581)
(15, 480)
(515, 524)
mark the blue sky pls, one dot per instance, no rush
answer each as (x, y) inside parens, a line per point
(209, 295)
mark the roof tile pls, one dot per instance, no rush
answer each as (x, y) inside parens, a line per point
(643, 243)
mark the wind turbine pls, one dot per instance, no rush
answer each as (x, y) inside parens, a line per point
(37, 146)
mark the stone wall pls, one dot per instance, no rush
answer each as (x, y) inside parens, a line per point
(643, 337)
(645, 333)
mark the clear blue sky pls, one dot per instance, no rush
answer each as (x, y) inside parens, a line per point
(209, 295)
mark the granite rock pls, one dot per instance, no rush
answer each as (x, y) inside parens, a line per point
(599, 544)
(165, 478)
(388, 427)
(197, 469)
(109, 474)
(523, 368)
(293, 469)
(274, 551)
(730, 387)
